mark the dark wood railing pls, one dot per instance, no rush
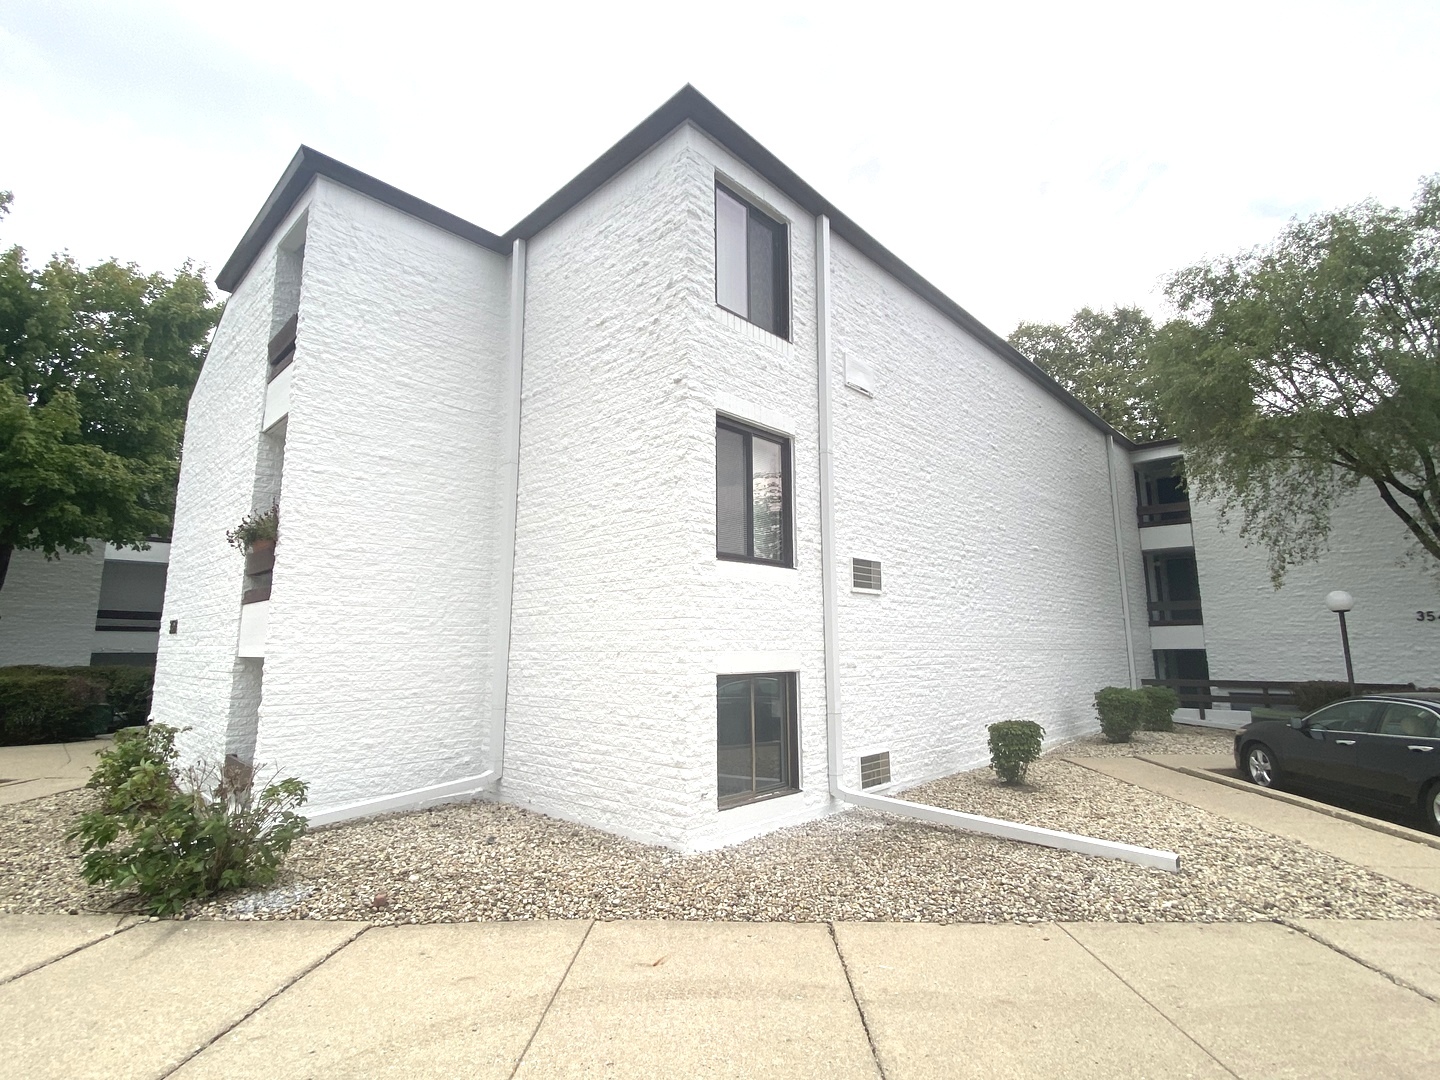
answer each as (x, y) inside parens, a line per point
(282, 346)
(1175, 613)
(1171, 513)
(1244, 694)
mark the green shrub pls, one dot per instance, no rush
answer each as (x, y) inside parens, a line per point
(41, 705)
(127, 692)
(1160, 705)
(1310, 696)
(174, 839)
(1014, 744)
(1121, 710)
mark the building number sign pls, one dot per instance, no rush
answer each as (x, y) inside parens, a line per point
(1425, 616)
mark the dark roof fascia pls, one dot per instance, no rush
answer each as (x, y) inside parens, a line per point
(689, 105)
(300, 173)
(1156, 444)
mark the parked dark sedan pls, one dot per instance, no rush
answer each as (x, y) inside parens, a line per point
(1382, 749)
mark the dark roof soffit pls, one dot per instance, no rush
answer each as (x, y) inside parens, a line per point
(302, 170)
(688, 105)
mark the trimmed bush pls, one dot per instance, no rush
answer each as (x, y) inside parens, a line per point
(1160, 705)
(174, 839)
(1310, 696)
(127, 692)
(1122, 712)
(42, 705)
(1014, 744)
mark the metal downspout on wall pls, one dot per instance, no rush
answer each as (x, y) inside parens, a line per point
(469, 786)
(834, 730)
(1120, 559)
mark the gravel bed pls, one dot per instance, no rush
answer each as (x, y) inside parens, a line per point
(492, 861)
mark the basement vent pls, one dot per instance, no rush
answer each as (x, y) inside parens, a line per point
(865, 574)
(875, 769)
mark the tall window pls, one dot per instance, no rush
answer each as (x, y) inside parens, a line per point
(756, 737)
(752, 264)
(752, 494)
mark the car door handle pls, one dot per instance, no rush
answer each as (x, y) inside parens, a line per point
(1344, 742)
(1420, 749)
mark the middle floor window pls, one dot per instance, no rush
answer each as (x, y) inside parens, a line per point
(752, 494)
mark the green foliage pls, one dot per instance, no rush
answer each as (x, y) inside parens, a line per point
(1101, 357)
(1310, 696)
(1160, 705)
(127, 692)
(1301, 371)
(174, 839)
(43, 705)
(252, 527)
(1014, 744)
(1122, 712)
(96, 367)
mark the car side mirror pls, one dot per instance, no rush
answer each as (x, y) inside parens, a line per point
(1301, 723)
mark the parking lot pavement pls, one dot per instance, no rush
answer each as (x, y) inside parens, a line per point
(648, 999)
(28, 772)
(1416, 864)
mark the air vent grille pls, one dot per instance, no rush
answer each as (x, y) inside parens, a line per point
(865, 574)
(875, 769)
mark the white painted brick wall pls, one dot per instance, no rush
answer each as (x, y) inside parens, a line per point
(47, 608)
(378, 656)
(1255, 632)
(988, 504)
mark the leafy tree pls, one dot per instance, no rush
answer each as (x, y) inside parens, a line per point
(1100, 357)
(96, 367)
(1300, 371)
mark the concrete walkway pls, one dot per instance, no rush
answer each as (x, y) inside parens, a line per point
(86, 996)
(28, 772)
(1377, 846)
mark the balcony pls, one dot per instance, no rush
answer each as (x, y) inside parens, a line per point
(277, 387)
(1165, 513)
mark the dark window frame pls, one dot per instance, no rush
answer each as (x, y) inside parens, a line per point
(787, 513)
(790, 733)
(783, 310)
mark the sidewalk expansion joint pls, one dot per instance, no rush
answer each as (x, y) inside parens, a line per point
(1158, 1011)
(69, 952)
(520, 1058)
(286, 985)
(1396, 979)
(859, 1009)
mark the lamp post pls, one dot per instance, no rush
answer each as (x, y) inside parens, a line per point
(1340, 602)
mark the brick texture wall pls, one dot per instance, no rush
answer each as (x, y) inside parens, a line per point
(47, 608)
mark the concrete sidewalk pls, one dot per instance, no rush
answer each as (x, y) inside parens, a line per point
(28, 772)
(1413, 861)
(83, 996)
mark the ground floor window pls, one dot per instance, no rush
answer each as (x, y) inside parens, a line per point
(757, 756)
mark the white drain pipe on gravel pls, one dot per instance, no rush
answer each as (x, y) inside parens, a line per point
(1009, 830)
(469, 786)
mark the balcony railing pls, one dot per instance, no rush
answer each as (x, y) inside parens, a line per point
(1175, 613)
(1239, 694)
(1171, 513)
(282, 346)
(114, 619)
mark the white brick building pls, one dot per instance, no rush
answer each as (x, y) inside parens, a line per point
(554, 504)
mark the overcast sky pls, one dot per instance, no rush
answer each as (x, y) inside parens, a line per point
(1028, 159)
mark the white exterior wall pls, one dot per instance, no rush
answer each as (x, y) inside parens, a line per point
(200, 684)
(1253, 631)
(988, 504)
(47, 608)
(378, 650)
(606, 722)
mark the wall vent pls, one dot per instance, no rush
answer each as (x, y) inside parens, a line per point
(865, 574)
(875, 769)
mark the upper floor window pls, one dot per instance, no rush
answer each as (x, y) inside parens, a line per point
(752, 494)
(752, 264)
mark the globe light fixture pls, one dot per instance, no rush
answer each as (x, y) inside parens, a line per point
(1340, 602)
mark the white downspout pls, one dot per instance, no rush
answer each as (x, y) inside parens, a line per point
(834, 731)
(470, 786)
(1120, 559)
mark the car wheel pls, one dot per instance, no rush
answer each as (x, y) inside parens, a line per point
(1260, 765)
(1431, 806)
